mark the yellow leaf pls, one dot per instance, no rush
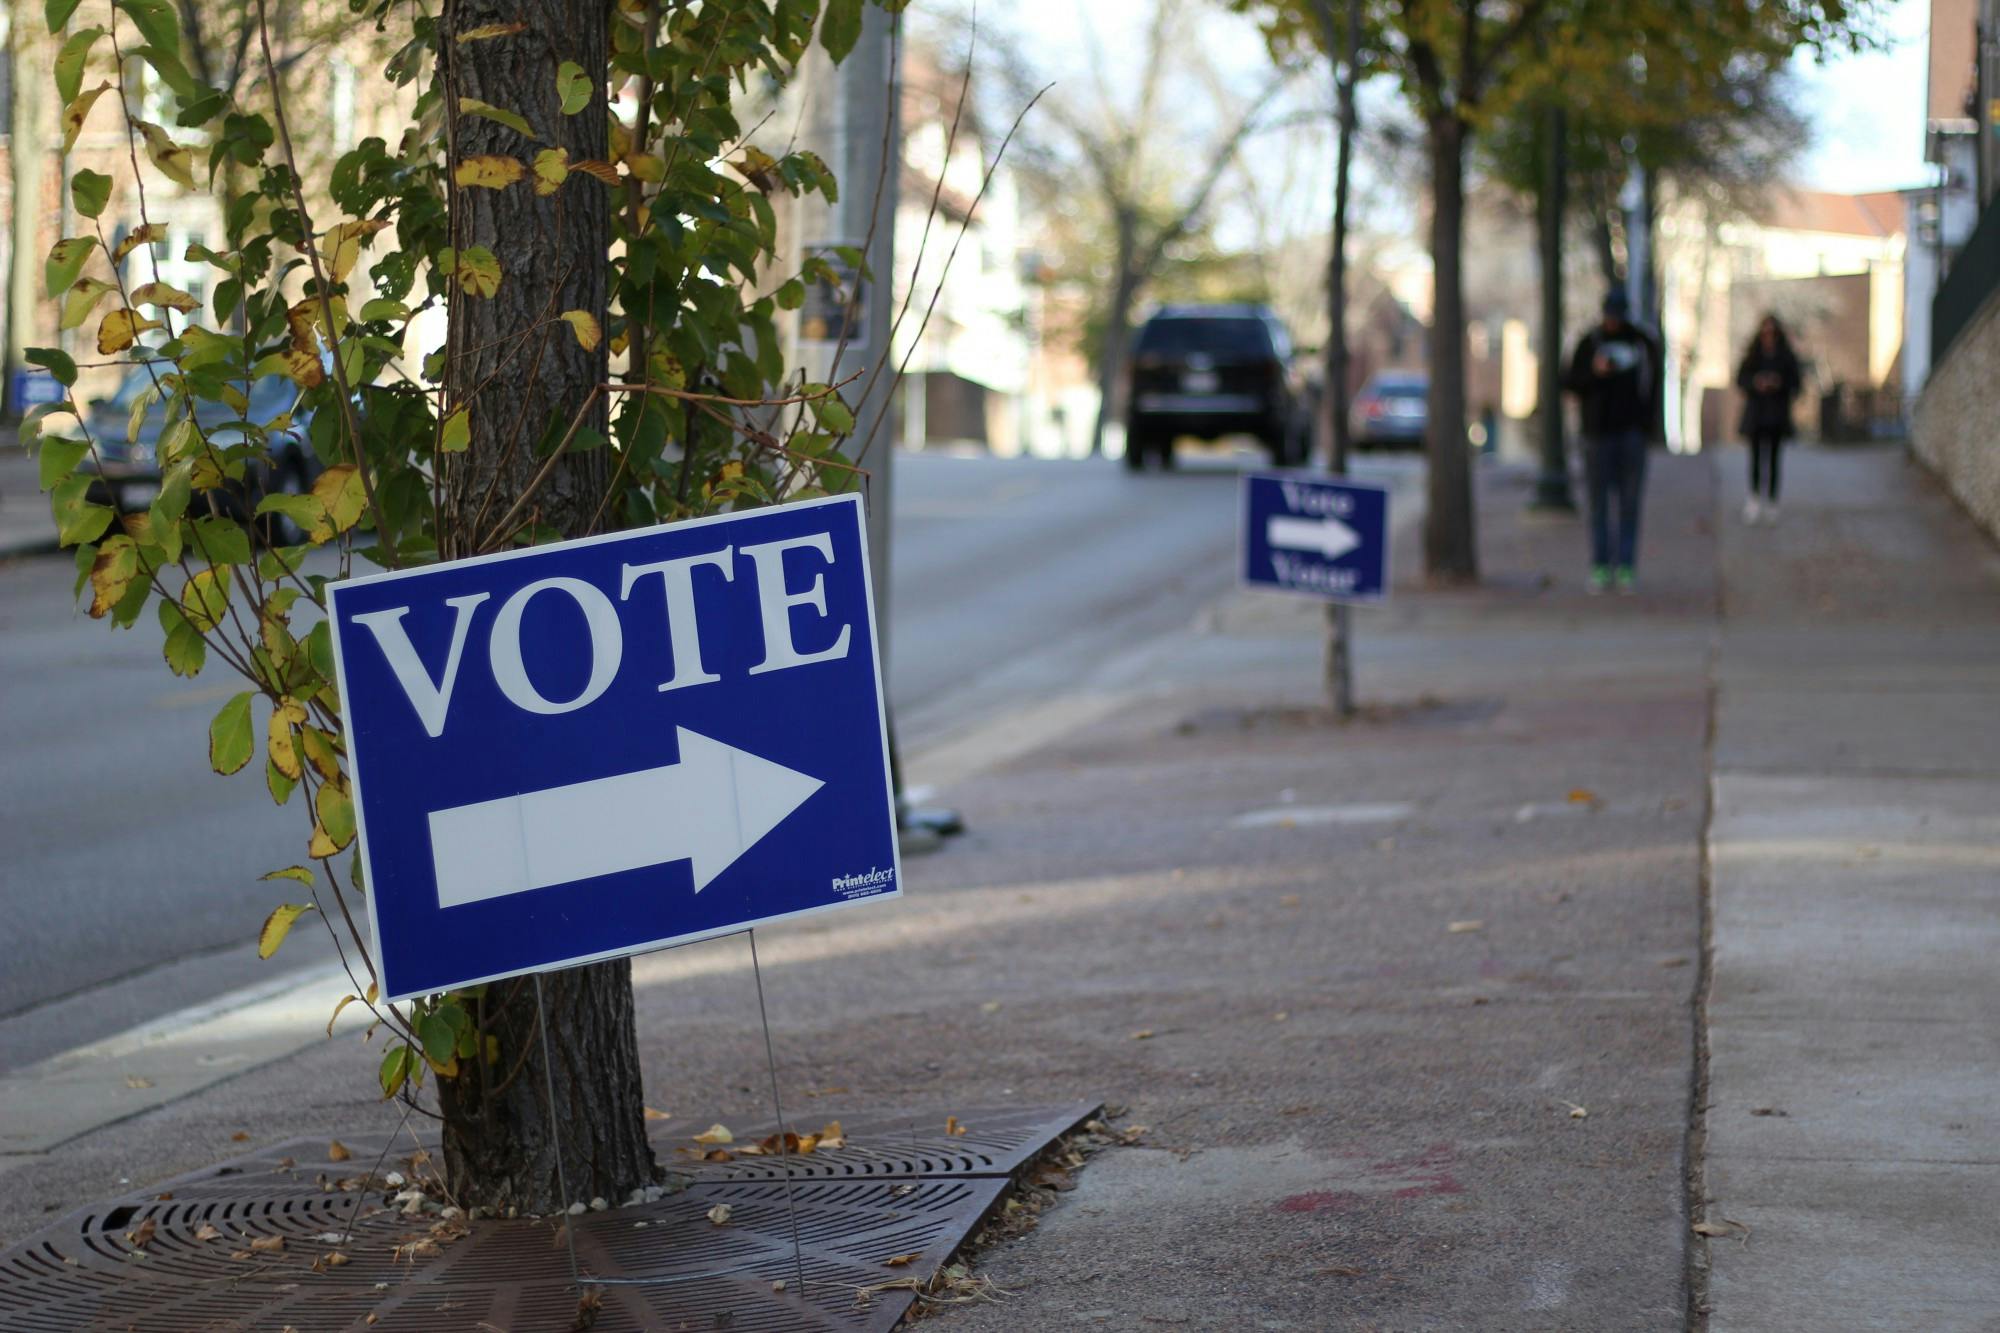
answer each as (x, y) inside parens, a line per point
(276, 927)
(120, 329)
(319, 752)
(1465, 927)
(284, 750)
(343, 246)
(477, 270)
(345, 1000)
(456, 436)
(111, 574)
(646, 167)
(952, 1128)
(603, 171)
(339, 489)
(715, 1134)
(488, 31)
(77, 112)
(336, 1151)
(651, 1114)
(720, 1214)
(81, 299)
(161, 294)
(489, 171)
(319, 846)
(551, 170)
(174, 161)
(756, 166)
(585, 324)
(138, 236)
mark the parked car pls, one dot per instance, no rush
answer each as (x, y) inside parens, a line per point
(1392, 411)
(1210, 371)
(128, 461)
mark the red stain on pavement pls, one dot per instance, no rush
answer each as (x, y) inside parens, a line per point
(1412, 1176)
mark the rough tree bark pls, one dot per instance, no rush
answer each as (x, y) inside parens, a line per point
(518, 368)
(1451, 550)
(1117, 338)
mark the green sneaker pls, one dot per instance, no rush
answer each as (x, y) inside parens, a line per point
(1628, 581)
(1600, 579)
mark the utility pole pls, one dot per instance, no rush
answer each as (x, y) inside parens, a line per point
(1552, 485)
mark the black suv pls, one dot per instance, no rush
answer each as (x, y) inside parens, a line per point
(1210, 371)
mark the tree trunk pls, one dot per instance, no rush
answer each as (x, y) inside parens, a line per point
(1451, 552)
(1551, 207)
(523, 376)
(1117, 334)
(1334, 423)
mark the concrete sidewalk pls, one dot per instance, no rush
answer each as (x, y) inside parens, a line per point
(1854, 1015)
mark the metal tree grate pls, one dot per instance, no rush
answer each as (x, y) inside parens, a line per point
(242, 1246)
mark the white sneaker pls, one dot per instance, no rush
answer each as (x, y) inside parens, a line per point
(1752, 510)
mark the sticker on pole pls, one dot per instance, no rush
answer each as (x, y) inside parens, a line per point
(1325, 537)
(600, 747)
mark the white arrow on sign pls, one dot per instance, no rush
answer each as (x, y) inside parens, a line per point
(1328, 536)
(710, 808)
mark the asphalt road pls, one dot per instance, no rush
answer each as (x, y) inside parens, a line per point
(130, 875)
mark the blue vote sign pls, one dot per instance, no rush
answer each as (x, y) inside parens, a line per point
(1326, 537)
(599, 747)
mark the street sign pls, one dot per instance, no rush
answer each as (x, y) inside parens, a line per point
(1322, 536)
(600, 747)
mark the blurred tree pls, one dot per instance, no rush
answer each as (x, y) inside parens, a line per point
(1149, 188)
(1466, 65)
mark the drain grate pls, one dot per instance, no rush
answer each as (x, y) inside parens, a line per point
(238, 1247)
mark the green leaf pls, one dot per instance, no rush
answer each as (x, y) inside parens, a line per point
(440, 1040)
(78, 520)
(477, 270)
(383, 308)
(156, 21)
(397, 1063)
(90, 191)
(70, 62)
(57, 363)
(221, 541)
(204, 600)
(57, 12)
(280, 784)
(58, 458)
(840, 29)
(172, 501)
(303, 874)
(65, 262)
(457, 433)
(513, 120)
(185, 649)
(231, 739)
(336, 814)
(791, 295)
(832, 413)
(319, 650)
(277, 926)
(573, 86)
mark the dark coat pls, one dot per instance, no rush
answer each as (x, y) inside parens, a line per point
(1766, 411)
(1630, 397)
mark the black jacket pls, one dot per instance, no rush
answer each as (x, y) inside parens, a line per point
(1768, 410)
(1629, 396)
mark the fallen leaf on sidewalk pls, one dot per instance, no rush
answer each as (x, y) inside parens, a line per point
(336, 1151)
(268, 1245)
(833, 1136)
(1575, 1112)
(1582, 796)
(1721, 1227)
(240, 1136)
(1673, 962)
(1465, 927)
(137, 1081)
(1280, 1016)
(1143, 1034)
(140, 1238)
(719, 1214)
(715, 1134)
(651, 1114)
(952, 1128)
(207, 1231)
(990, 1007)
(899, 1260)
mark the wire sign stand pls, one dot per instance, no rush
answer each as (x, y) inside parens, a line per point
(576, 1276)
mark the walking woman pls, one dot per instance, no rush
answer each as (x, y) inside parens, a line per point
(1769, 378)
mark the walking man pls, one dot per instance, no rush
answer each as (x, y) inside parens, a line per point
(1615, 376)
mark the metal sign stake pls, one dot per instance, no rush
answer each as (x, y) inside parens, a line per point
(784, 1148)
